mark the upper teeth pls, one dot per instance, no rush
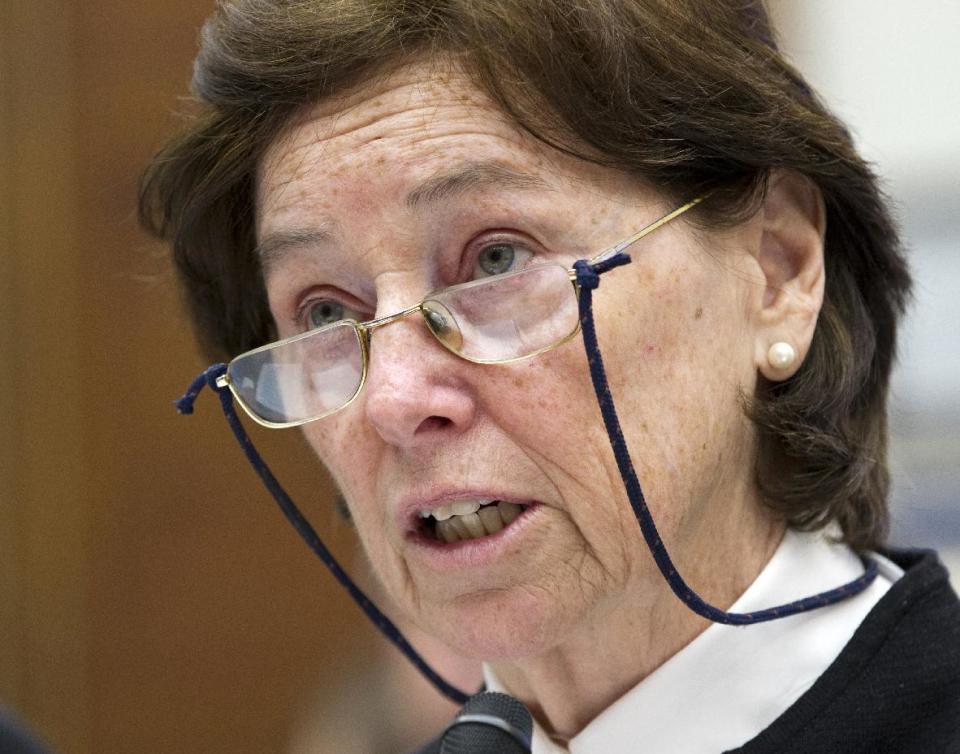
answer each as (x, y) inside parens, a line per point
(457, 508)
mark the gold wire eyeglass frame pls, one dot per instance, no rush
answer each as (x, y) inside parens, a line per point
(365, 329)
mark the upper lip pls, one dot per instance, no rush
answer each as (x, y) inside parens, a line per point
(410, 505)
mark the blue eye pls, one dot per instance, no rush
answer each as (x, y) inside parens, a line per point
(499, 258)
(325, 311)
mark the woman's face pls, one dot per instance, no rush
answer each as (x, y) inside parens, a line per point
(365, 205)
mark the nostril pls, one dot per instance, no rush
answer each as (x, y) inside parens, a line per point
(433, 423)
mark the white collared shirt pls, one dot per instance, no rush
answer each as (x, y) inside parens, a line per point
(732, 682)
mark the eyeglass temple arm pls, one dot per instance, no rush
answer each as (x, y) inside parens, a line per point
(614, 250)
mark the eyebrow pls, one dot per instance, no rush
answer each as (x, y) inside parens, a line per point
(471, 176)
(274, 245)
(462, 179)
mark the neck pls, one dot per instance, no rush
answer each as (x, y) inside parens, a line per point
(633, 634)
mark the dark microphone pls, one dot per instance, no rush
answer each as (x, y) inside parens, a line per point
(489, 723)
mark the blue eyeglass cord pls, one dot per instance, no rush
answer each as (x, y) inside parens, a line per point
(588, 279)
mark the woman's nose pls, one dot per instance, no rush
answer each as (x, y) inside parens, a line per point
(415, 392)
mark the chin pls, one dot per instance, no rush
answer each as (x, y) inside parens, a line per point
(498, 624)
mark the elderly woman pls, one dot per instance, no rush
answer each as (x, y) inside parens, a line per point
(392, 217)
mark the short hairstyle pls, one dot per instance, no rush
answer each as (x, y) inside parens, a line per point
(690, 96)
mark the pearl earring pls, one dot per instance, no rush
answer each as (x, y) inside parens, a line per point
(781, 355)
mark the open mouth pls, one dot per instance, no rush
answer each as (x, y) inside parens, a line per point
(468, 519)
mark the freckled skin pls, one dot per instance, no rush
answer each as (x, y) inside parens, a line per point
(579, 605)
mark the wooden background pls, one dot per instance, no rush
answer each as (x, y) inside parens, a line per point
(151, 597)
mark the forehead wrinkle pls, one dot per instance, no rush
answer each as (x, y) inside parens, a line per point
(411, 88)
(404, 109)
(290, 163)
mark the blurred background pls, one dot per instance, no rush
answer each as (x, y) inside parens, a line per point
(151, 598)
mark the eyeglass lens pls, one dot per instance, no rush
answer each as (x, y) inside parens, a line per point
(493, 320)
(306, 378)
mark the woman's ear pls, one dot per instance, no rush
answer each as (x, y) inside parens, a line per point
(790, 255)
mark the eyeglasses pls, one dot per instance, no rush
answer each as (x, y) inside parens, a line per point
(496, 320)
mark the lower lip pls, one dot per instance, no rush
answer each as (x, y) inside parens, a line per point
(474, 553)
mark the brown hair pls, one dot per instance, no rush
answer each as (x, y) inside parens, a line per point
(689, 95)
